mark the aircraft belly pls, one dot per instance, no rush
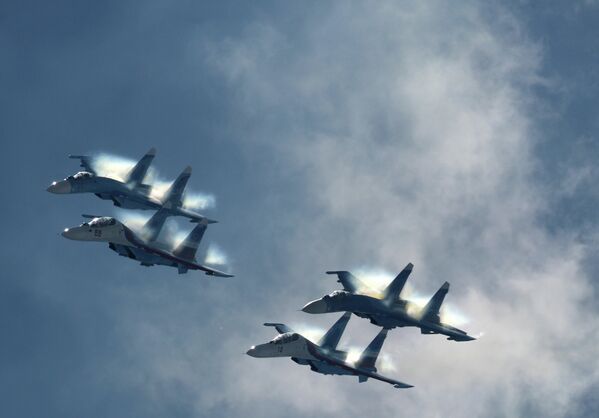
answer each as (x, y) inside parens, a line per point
(389, 321)
(323, 367)
(121, 250)
(128, 203)
(144, 257)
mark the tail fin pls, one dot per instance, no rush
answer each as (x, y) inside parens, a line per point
(174, 195)
(368, 357)
(431, 311)
(392, 291)
(188, 248)
(154, 225)
(333, 335)
(139, 171)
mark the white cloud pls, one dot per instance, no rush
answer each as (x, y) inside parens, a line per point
(411, 128)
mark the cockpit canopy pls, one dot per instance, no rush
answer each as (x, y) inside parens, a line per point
(81, 175)
(337, 293)
(285, 338)
(102, 222)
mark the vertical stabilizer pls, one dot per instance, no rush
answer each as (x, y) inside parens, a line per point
(138, 172)
(392, 291)
(368, 357)
(331, 339)
(154, 225)
(431, 311)
(188, 248)
(174, 194)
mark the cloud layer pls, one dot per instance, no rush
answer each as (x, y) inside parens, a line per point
(412, 128)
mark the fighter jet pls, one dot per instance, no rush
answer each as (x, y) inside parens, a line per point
(324, 357)
(131, 193)
(389, 310)
(143, 246)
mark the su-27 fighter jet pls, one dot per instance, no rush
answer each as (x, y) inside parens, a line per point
(131, 193)
(143, 247)
(390, 310)
(324, 357)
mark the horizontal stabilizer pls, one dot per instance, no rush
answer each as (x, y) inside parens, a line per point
(199, 218)
(392, 291)
(431, 311)
(281, 328)
(331, 339)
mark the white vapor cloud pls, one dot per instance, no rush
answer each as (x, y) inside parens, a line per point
(118, 168)
(412, 126)
(112, 166)
(215, 255)
(407, 131)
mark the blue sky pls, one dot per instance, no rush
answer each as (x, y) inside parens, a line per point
(355, 136)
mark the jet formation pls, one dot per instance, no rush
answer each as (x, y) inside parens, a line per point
(387, 309)
(134, 193)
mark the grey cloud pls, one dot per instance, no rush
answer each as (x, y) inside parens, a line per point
(336, 136)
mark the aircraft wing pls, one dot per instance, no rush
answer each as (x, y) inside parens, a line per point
(396, 383)
(213, 272)
(84, 161)
(359, 372)
(350, 282)
(183, 264)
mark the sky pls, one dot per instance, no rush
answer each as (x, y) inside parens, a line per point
(355, 136)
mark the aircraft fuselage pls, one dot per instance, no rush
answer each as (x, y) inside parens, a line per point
(380, 313)
(108, 189)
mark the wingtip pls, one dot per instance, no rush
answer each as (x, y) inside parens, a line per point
(187, 170)
(410, 266)
(151, 152)
(445, 286)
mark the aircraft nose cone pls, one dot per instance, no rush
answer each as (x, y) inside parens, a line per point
(316, 307)
(251, 352)
(72, 233)
(59, 187)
